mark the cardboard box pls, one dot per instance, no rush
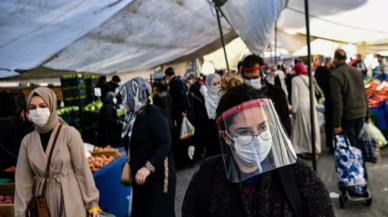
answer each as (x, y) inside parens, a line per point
(6, 210)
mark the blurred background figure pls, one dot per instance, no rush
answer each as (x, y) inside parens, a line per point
(109, 124)
(163, 100)
(181, 103)
(360, 65)
(12, 131)
(211, 102)
(279, 73)
(322, 76)
(382, 68)
(301, 133)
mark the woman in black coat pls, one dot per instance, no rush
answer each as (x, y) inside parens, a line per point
(258, 177)
(108, 123)
(146, 132)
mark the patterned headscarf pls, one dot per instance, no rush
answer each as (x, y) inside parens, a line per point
(135, 95)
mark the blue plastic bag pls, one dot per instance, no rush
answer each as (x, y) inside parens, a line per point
(349, 166)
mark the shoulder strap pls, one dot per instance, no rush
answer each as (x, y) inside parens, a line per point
(46, 175)
(290, 189)
(205, 180)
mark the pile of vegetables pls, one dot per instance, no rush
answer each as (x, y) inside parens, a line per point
(93, 107)
(67, 110)
(6, 199)
(96, 163)
(376, 94)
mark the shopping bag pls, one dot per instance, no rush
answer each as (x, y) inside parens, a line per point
(105, 214)
(369, 141)
(187, 129)
(374, 132)
(349, 165)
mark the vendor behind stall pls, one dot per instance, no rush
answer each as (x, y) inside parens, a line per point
(109, 125)
(12, 131)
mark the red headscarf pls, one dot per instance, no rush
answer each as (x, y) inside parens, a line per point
(300, 69)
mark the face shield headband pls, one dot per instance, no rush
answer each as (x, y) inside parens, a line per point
(253, 140)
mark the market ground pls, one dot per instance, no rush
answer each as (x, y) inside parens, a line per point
(377, 183)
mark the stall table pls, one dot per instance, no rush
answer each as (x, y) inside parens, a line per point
(114, 197)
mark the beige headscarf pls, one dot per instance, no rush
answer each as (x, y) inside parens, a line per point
(50, 99)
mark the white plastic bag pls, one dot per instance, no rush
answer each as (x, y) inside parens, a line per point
(375, 133)
(187, 129)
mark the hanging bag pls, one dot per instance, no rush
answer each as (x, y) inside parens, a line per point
(38, 205)
(126, 172)
(187, 129)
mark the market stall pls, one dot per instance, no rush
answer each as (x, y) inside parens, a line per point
(115, 198)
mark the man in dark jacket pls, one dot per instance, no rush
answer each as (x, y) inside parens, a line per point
(322, 76)
(252, 75)
(360, 65)
(349, 101)
(12, 131)
(181, 103)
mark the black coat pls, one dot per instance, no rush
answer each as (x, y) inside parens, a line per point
(151, 141)
(109, 126)
(178, 92)
(278, 97)
(164, 101)
(12, 132)
(270, 200)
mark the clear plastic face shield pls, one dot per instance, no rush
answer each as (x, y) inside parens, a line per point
(253, 140)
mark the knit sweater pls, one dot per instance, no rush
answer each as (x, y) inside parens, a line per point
(269, 200)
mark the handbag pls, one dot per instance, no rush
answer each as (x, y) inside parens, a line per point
(38, 205)
(126, 173)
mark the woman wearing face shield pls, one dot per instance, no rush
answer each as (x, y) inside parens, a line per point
(146, 133)
(258, 173)
(70, 189)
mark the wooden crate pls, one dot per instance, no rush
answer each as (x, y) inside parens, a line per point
(7, 210)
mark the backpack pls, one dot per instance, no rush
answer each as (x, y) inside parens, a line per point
(284, 174)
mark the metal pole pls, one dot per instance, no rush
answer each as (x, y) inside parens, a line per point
(276, 42)
(312, 108)
(222, 37)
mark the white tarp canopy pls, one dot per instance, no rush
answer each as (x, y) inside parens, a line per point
(347, 21)
(117, 36)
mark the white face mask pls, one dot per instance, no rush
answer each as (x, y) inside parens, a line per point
(191, 82)
(39, 116)
(114, 101)
(268, 71)
(257, 148)
(255, 83)
(167, 81)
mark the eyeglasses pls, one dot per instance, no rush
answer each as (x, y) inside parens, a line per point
(245, 136)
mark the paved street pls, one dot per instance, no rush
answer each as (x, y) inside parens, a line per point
(378, 185)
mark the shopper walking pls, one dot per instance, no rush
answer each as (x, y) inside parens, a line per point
(258, 173)
(146, 134)
(253, 75)
(71, 190)
(211, 102)
(322, 76)
(109, 124)
(350, 104)
(181, 103)
(301, 134)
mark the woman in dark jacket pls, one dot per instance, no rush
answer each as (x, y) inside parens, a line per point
(253, 176)
(108, 123)
(146, 132)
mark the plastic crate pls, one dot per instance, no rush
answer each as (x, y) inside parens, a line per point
(91, 80)
(73, 80)
(69, 93)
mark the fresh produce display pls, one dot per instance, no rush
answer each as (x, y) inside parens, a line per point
(102, 157)
(93, 107)
(67, 110)
(6, 199)
(377, 93)
(96, 163)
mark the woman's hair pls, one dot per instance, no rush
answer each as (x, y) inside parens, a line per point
(162, 86)
(229, 81)
(237, 95)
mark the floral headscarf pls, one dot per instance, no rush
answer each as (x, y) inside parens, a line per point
(135, 95)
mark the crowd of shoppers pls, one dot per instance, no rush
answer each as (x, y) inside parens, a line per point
(250, 128)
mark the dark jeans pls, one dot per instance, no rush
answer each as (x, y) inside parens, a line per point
(352, 129)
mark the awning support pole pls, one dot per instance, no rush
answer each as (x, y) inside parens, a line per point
(222, 37)
(312, 107)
